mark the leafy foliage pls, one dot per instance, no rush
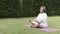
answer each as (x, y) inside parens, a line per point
(28, 8)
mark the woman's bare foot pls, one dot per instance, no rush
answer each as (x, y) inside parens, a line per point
(33, 27)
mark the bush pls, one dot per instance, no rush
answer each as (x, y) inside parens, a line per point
(28, 8)
(9, 8)
(52, 6)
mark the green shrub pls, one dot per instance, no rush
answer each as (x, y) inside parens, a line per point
(28, 8)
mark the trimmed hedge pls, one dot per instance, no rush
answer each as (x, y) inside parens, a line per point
(52, 6)
(28, 8)
(9, 8)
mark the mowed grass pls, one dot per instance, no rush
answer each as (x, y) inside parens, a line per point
(16, 25)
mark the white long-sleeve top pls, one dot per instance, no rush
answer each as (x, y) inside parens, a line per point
(42, 17)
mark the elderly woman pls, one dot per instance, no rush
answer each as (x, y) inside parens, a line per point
(41, 19)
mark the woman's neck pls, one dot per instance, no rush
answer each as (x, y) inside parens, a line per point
(42, 12)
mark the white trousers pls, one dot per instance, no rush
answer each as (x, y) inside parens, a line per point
(40, 25)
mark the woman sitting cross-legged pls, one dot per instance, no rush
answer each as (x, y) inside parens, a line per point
(41, 20)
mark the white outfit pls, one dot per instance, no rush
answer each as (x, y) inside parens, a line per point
(41, 17)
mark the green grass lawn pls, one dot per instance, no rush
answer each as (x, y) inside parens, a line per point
(15, 25)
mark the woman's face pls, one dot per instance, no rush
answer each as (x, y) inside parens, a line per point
(41, 9)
